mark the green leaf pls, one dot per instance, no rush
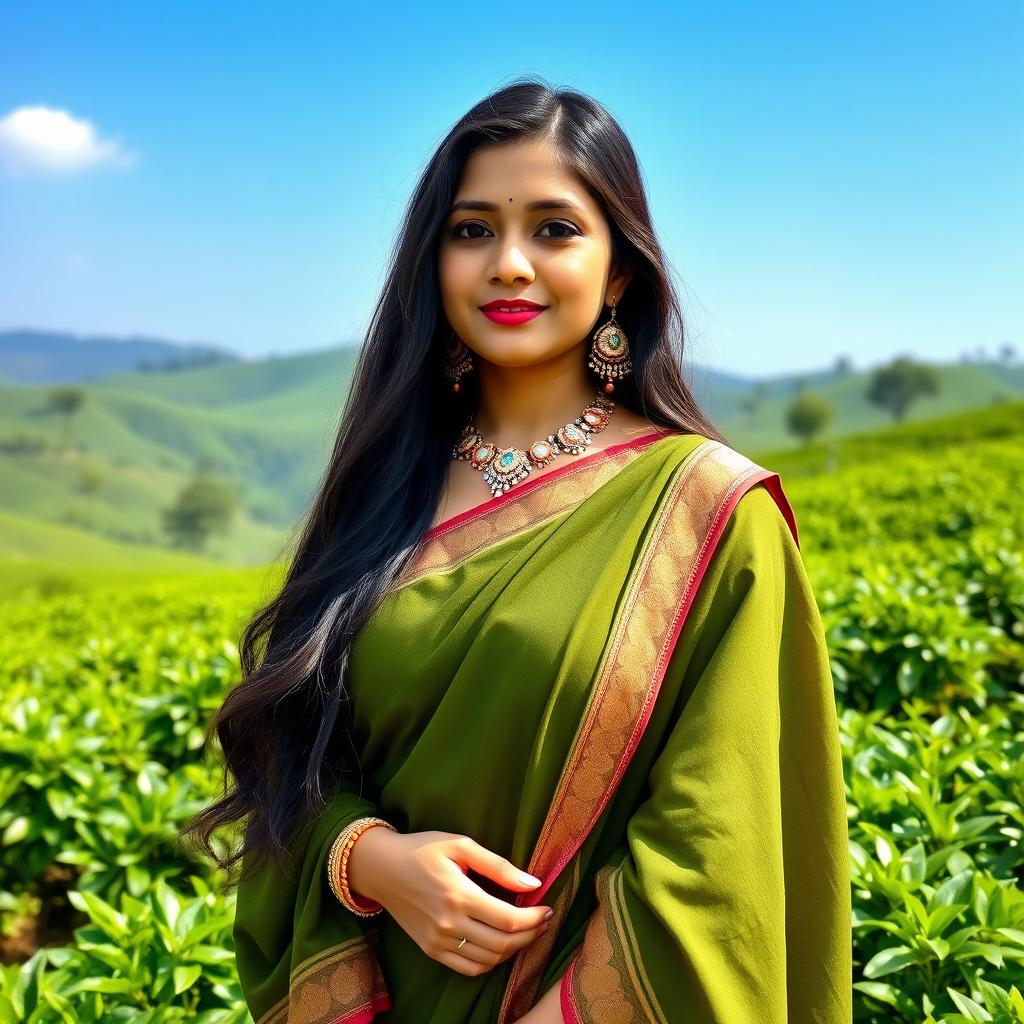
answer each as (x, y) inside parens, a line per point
(969, 1008)
(15, 832)
(119, 986)
(878, 990)
(890, 960)
(185, 977)
(100, 912)
(940, 918)
(1013, 934)
(953, 889)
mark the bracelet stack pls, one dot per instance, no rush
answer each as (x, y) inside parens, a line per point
(337, 866)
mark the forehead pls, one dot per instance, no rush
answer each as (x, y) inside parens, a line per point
(523, 171)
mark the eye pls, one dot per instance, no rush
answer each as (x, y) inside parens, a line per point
(467, 224)
(570, 229)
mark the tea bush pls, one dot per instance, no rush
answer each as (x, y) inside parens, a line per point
(914, 554)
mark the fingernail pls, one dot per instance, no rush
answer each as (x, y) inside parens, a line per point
(529, 879)
(550, 914)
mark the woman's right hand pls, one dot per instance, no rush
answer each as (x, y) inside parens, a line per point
(420, 879)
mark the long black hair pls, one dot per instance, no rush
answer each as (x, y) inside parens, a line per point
(285, 730)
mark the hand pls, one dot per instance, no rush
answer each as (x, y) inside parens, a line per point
(420, 879)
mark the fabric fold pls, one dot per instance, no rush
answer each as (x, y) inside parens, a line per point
(292, 935)
(730, 901)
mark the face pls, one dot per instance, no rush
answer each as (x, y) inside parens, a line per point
(559, 258)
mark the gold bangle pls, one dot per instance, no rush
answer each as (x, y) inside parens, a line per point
(333, 865)
(337, 866)
(369, 907)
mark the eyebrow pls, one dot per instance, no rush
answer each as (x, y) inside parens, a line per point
(537, 204)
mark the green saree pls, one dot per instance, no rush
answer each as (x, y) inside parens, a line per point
(615, 676)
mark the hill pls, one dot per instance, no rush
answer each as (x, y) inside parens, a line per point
(265, 427)
(56, 357)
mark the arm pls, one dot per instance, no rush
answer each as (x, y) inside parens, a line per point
(731, 901)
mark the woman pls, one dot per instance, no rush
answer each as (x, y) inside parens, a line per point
(541, 617)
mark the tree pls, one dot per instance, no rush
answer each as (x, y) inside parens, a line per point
(895, 387)
(1007, 352)
(807, 415)
(752, 400)
(204, 506)
(843, 366)
(67, 402)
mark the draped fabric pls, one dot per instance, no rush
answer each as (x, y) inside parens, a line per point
(615, 676)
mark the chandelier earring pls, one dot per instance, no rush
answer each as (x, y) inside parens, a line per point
(458, 361)
(609, 352)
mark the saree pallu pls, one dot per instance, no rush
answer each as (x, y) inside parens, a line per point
(615, 676)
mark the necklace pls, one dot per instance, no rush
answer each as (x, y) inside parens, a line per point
(505, 467)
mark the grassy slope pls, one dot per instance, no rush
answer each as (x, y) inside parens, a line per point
(961, 387)
(266, 427)
(937, 435)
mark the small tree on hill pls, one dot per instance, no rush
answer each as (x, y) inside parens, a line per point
(752, 400)
(807, 415)
(204, 506)
(897, 386)
(66, 402)
(843, 366)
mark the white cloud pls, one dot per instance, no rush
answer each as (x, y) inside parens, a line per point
(34, 139)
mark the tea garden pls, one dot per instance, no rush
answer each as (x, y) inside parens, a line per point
(912, 539)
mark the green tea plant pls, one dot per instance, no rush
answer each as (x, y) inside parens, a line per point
(913, 548)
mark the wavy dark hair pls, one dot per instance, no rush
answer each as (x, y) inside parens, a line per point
(285, 730)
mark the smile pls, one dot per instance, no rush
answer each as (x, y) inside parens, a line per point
(512, 313)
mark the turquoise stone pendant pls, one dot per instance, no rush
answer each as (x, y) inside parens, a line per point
(507, 468)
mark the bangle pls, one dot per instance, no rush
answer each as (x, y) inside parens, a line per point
(337, 866)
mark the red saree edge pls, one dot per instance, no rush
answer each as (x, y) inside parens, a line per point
(570, 1015)
(365, 1014)
(773, 483)
(529, 485)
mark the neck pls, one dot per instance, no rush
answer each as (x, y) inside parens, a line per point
(522, 404)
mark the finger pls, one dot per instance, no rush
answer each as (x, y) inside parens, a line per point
(484, 942)
(506, 917)
(470, 968)
(492, 865)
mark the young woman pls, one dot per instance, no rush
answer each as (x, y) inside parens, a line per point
(541, 617)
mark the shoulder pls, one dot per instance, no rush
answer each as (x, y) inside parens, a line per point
(749, 497)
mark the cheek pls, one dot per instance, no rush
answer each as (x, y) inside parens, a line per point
(456, 273)
(578, 279)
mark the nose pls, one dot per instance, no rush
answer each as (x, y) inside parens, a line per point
(511, 264)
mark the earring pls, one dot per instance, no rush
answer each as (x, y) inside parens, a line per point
(609, 352)
(458, 361)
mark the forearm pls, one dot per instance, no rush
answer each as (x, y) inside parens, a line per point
(366, 854)
(548, 1010)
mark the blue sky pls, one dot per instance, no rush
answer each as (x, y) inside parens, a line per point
(826, 179)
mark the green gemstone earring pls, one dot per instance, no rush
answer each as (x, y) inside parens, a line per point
(609, 352)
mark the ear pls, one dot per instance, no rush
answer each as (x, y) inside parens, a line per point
(617, 281)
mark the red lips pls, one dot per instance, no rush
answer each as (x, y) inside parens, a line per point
(514, 303)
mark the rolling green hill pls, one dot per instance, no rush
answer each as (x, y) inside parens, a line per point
(265, 427)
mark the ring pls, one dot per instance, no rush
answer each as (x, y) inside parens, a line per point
(459, 946)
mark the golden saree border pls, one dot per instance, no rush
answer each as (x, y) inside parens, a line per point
(523, 507)
(605, 980)
(339, 985)
(708, 484)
